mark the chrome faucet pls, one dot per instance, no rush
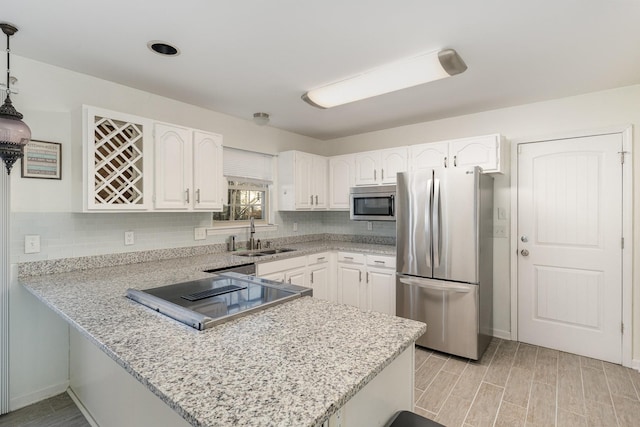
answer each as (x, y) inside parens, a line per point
(252, 230)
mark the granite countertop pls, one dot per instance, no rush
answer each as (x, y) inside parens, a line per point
(294, 364)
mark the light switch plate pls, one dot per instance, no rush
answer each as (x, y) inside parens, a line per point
(199, 233)
(500, 231)
(129, 238)
(31, 244)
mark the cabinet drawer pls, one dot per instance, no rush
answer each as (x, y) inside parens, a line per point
(320, 258)
(281, 265)
(351, 257)
(381, 261)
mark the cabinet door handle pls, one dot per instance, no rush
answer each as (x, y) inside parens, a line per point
(312, 277)
(187, 193)
(311, 198)
(382, 173)
(455, 161)
(360, 276)
(289, 280)
(367, 277)
(445, 161)
(375, 175)
(198, 195)
(316, 200)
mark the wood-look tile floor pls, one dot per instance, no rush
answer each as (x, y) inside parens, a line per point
(57, 411)
(517, 384)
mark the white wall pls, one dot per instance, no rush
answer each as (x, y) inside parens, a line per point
(590, 111)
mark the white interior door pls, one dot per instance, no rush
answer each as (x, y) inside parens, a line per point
(569, 245)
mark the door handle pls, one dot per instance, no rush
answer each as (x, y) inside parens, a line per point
(524, 252)
(445, 162)
(360, 276)
(444, 287)
(311, 198)
(316, 200)
(382, 171)
(375, 174)
(198, 195)
(289, 280)
(312, 277)
(187, 193)
(455, 161)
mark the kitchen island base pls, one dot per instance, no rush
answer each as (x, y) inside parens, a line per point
(113, 397)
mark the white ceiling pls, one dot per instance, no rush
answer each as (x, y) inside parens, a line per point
(243, 56)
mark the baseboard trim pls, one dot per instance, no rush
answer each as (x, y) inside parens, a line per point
(635, 364)
(82, 408)
(37, 396)
(499, 333)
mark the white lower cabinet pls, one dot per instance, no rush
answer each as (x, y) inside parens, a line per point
(367, 282)
(319, 268)
(363, 281)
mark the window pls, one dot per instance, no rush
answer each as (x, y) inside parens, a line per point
(247, 199)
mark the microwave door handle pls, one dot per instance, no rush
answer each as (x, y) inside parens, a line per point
(437, 223)
(392, 205)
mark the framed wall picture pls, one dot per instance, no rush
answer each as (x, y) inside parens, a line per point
(42, 159)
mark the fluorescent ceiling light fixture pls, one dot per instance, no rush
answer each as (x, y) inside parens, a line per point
(388, 78)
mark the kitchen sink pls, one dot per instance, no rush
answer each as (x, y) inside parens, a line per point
(264, 252)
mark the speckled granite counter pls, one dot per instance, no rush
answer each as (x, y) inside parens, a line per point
(294, 364)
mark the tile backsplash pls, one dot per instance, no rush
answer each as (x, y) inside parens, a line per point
(66, 235)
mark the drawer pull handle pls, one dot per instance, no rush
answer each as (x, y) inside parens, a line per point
(379, 262)
(321, 258)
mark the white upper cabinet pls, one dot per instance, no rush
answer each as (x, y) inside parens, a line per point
(188, 169)
(392, 161)
(302, 181)
(116, 165)
(490, 152)
(133, 164)
(341, 179)
(429, 156)
(380, 166)
(208, 178)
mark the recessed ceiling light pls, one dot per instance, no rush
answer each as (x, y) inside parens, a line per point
(162, 48)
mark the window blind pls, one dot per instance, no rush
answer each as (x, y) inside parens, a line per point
(247, 164)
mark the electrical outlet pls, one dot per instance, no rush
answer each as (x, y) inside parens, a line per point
(369, 226)
(199, 233)
(500, 231)
(129, 238)
(31, 244)
(295, 226)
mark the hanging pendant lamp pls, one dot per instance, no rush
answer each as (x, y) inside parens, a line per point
(14, 133)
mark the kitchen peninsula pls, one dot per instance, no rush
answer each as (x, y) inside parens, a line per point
(301, 363)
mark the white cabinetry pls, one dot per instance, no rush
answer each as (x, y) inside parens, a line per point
(302, 181)
(319, 270)
(188, 169)
(367, 282)
(116, 166)
(490, 152)
(380, 166)
(290, 270)
(341, 179)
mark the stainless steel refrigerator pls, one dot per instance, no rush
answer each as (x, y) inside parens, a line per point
(444, 223)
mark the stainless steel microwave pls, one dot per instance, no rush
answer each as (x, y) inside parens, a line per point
(374, 203)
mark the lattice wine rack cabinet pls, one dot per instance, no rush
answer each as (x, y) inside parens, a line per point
(117, 175)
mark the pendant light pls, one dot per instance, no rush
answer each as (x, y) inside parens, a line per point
(14, 133)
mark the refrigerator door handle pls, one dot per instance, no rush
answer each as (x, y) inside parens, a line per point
(437, 223)
(449, 287)
(429, 222)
